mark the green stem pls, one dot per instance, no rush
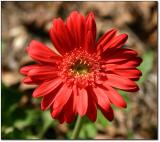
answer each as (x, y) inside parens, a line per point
(77, 128)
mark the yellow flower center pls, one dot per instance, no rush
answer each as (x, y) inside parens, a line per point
(80, 68)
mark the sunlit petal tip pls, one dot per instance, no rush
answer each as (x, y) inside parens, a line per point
(23, 70)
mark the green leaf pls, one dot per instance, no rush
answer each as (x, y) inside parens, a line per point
(130, 134)
(124, 95)
(83, 134)
(10, 110)
(13, 133)
(146, 65)
(69, 134)
(91, 130)
(30, 119)
(9, 97)
(102, 120)
(47, 121)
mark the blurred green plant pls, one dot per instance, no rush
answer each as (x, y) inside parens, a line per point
(19, 122)
(88, 130)
(24, 123)
(146, 65)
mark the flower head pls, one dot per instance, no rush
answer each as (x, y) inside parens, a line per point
(85, 74)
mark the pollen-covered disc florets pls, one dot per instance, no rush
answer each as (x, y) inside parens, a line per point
(78, 66)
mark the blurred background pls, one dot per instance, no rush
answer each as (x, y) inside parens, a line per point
(21, 114)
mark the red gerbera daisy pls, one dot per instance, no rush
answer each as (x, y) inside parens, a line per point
(85, 74)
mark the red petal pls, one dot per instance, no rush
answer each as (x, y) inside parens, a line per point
(43, 73)
(82, 102)
(120, 59)
(58, 44)
(90, 43)
(48, 100)
(42, 53)
(69, 114)
(75, 98)
(128, 73)
(103, 103)
(116, 42)
(28, 80)
(120, 53)
(46, 87)
(91, 25)
(92, 110)
(24, 70)
(115, 97)
(121, 83)
(60, 117)
(61, 99)
(76, 25)
(102, 98)
(60, 36)
(108, 36)
(108, 113)
(125, 64)
(117, 55)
